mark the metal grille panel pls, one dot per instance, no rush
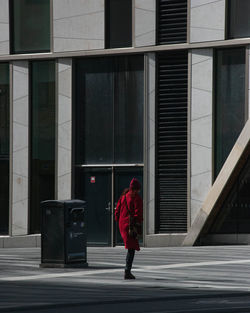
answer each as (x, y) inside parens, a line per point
(172, 21)
(171, 169)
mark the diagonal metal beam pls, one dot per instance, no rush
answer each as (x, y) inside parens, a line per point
(221, 186)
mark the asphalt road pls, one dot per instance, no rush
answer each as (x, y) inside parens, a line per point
(183, 279)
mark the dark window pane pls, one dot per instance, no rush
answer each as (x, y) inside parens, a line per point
(229, 102)
(118, 23)
(129, 96)
(4, 148)
(42, 185)
(234, 215)
(109, 110)
(94, 111)
(30, 25)
(238, 19)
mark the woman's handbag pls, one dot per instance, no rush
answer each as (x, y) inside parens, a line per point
(135, 229)
(132, 231)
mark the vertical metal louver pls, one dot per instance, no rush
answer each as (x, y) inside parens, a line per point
(171, 166)
(171, 21)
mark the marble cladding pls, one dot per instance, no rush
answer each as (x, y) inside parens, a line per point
(201, 127)
(4, 27)
(164, 240)
(145, 22)
(20, 152)
(78, 25)
(151, 143)
(64, 129)
(207, 20)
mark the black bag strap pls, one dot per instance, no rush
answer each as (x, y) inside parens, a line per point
(129, 212)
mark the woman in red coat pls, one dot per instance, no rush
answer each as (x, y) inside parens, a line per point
(130, 203)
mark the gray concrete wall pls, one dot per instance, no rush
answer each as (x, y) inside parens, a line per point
(64, 129)
(201, 127)
(145, 19)
(207, 20)
(78, 25)
(150, 216)
(28, 241)
(164, 240)
(4, 27)
(20, 149)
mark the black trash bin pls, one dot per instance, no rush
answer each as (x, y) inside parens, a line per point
(63, 234)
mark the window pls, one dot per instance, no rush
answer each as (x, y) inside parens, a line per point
(118, 23)
(234, 214)
(238, 18)
(109, 110)
(42, 168)
(229, 101)
(4, 147)
(30, 26)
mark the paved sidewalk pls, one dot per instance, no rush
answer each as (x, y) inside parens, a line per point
(181, 279)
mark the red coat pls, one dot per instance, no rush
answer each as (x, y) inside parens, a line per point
(122, 216)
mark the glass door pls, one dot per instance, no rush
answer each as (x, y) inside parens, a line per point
(94, 185)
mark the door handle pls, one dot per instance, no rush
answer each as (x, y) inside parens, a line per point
(108, 208)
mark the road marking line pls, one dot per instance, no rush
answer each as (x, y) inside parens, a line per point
(158, 284)
(19, 264)
(58, 275)
(108, 263)
(108, 271)
(195, 264)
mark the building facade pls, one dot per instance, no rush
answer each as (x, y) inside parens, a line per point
(93, 93)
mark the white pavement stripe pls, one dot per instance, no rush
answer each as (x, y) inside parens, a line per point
(167, 284)
(106, 271)
(24, 264)
(59, 275)
(156, 267)
(108, 263)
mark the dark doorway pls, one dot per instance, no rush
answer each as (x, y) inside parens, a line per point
(94, 186)
(108, 136)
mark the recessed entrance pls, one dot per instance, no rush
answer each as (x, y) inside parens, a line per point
(108, 137)
(101, 188)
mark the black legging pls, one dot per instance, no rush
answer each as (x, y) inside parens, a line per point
(129, 259)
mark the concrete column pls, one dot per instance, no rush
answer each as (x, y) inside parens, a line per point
(201, 127)
(64, 129)
(150, 207)
(145, 22)
(4, 27)
(20, 149)
(207, 20)
(78, 25)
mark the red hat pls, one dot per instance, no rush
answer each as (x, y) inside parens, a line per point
(135, 184)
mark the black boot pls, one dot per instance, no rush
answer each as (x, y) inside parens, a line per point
(128, 275)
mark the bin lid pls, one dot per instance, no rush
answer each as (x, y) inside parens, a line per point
(76, 203)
